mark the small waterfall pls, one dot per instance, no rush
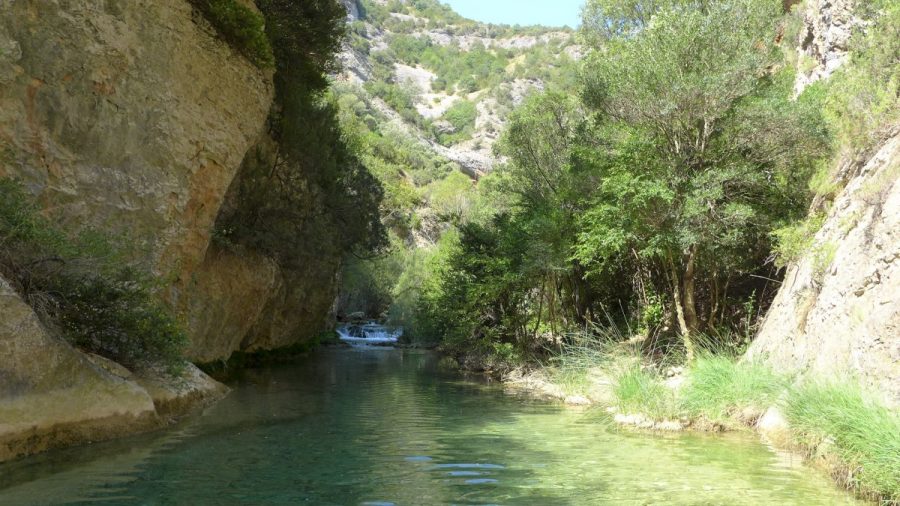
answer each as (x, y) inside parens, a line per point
(369, 334)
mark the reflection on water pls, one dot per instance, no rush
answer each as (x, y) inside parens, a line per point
(378, 427)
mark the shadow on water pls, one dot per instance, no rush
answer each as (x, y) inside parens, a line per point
(383, 426)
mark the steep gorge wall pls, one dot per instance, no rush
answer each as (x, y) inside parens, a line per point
(838, 310)
(134, 117)
(129, 116)
(839, 307)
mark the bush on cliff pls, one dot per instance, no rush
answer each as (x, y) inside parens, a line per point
(81, 285)
(240, 26)
(311, 195)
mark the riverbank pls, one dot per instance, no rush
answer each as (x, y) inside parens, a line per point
(834, 426)
(388, 426)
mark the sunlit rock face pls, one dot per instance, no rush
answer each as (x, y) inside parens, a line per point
(824, 40)
(138, 125)
(134, 118)
(129, 116)
(838, 311)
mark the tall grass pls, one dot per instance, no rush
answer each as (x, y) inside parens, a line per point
(719, 386)
(582, 353)
(840, 418)
(639, 389)
(837, 420)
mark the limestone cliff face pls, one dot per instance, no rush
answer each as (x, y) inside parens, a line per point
(134, 117)
(838, 310)
(129, 116)
(138, 124)
(839, 307)
(825, 39)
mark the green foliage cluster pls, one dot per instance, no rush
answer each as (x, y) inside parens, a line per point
(470, 71)
(654, 192)
(240, 26)
(794, 240)
(309, 193)
(863, 98)
(80, 285)
(461, 116)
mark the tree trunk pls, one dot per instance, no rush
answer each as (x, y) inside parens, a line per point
(679, 312)
(714, 304)
(690, 305)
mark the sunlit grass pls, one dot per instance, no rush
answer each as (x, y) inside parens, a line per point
(719, 386)
(639, 389)
(841, 419)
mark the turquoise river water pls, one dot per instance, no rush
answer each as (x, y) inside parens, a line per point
(383, 426)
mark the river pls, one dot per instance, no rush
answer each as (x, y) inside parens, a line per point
(380, 426)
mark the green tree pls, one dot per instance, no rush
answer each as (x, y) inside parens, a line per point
(705, 149)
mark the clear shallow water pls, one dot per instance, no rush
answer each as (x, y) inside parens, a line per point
(378, 426)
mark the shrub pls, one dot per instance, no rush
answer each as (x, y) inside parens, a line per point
(82, 286)
(462, 116)
(795, 240)
(840, 418)
(240, 26)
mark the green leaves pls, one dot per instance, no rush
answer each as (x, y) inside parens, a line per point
(84, 285)
(241, 26)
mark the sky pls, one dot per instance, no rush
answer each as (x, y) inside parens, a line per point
(522, 12)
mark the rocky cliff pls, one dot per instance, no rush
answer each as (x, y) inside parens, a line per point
(135, 118)
(839, 305)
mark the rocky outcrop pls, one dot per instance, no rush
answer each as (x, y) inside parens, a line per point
(247, 302)
(52, 395)
(825, 39)
(839, 306)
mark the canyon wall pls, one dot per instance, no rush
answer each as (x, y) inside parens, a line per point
(838, 309)
(134, 118)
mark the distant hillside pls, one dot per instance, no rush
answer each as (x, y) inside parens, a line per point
(426, 94)
(452, 81)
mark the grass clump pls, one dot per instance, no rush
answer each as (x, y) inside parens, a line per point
(240, 26)
(584, 352)
(718, 387)
(640, 389)
(841, 419)
(82, 286)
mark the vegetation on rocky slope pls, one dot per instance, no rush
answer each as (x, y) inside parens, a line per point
(656, 199)
(83, 286)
